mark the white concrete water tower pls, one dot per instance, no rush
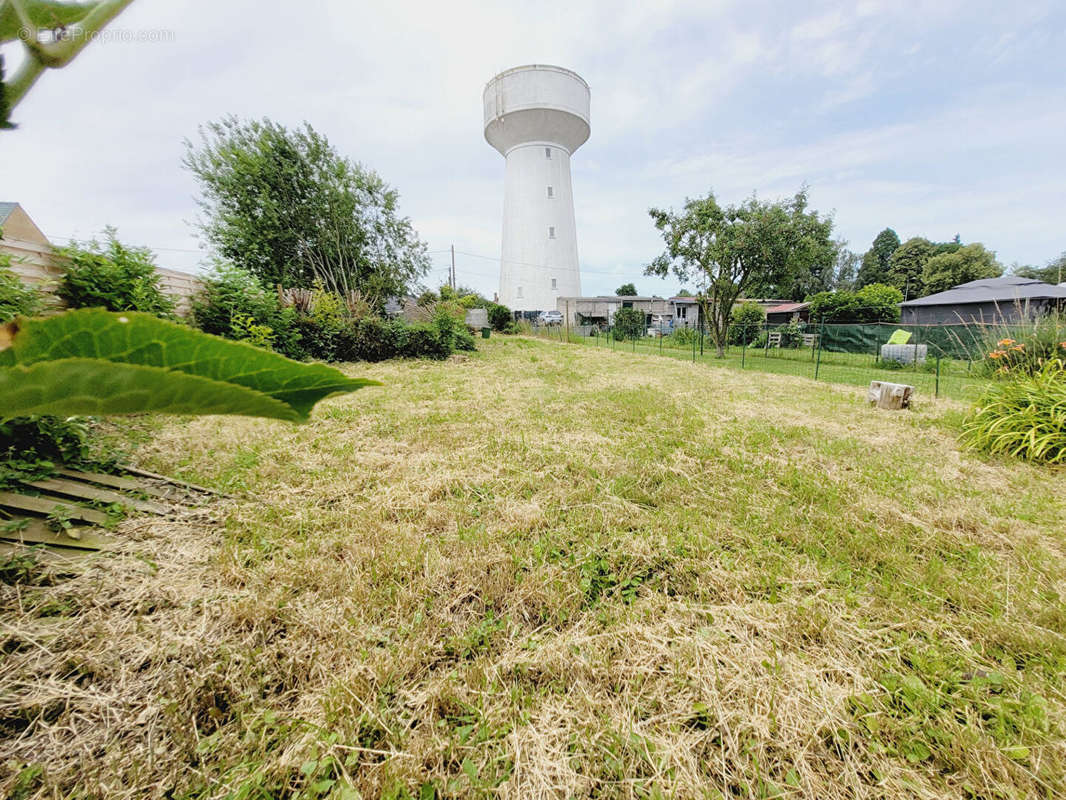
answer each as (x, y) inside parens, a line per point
(537, 116)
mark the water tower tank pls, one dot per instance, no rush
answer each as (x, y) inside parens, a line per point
(536, 117)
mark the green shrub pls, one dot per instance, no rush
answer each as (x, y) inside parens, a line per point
(875, 302)
(1024, 416)
(791, 334)
(113, 276)
(747, 321)
(500, 317)
(682, 337)
(16, 299)
(629, 323)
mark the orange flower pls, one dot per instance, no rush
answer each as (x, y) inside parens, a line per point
(1062, 345)
(1019, 347)
(996, 354)
(1005, 342)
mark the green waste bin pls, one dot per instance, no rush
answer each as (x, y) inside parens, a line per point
(485, 332)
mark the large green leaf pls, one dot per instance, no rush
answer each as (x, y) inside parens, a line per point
(86, 386)
(165, 351)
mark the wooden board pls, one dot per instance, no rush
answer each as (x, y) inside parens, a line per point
(63, 559)
(173, 481)
(46, 504)
(38, 532)
(83, 491)
(114, 481)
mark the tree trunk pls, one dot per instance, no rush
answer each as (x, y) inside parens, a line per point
(893, 396)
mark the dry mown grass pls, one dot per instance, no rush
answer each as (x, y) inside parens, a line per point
(546, 572)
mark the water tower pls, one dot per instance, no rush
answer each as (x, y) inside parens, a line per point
(537, 116)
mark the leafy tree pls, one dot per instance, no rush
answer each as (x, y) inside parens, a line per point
(970, 262)
(873, 303)
(737, 249)
(1053, 273)
(112, 276)
(846, 267)
(907, 263)
(877, 302)
(684, 293)
(52, 34)
(874, 267)
(284, 205)
(626, 290)
(629, 323)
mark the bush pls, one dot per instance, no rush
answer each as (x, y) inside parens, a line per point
(875, 302)
(234, 304)
(114, 277)
(500, 317)
(682, 337)
(747, 321)
(16, 299)
(629, 323)
(791, 334)
(1022, 416)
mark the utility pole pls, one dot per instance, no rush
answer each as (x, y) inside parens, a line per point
(452, 274)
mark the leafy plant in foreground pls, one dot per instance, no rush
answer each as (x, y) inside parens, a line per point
(1023, 417)
(97, 363)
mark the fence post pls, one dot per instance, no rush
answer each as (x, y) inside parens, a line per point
(660, 335)
(818, 362)
(744, 348)
(936, 391)
(693, 349)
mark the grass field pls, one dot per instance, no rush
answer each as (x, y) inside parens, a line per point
(545, 571)
(958, 380)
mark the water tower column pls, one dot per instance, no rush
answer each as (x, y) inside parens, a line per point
(536, 117)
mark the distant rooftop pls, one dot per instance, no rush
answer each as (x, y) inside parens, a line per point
(1007, 289)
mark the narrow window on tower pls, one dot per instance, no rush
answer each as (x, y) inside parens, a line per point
(551, 192)
(551, 231)
(518, 293)
(554, 286)
(547, 152)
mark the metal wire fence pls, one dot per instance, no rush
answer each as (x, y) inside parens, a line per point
(939, 361)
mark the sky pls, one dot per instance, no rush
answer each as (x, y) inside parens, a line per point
(935, 118)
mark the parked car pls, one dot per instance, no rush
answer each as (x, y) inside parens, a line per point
(550, 318)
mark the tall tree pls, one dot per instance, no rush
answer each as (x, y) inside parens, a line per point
(970, 262)
(734, 249)
(626, 290)
(287, 207)
(874, 267)
(846, 267)
(907, 263)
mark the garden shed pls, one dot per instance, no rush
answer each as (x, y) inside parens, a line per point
(1008, 299)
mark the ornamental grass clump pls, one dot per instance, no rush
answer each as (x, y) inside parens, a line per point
(1024, 415)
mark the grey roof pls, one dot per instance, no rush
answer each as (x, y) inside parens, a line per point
(1008, 289)
(6, 209)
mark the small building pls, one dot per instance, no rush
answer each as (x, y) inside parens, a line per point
(785, 313)
(16, 225)
(600, 310)
(1008, 299)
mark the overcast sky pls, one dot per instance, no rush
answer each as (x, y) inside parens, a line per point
(934, 118)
